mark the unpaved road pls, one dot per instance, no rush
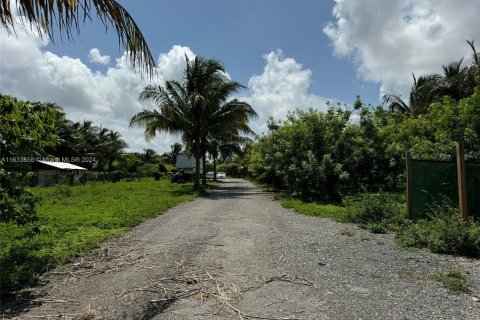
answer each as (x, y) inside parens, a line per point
(237, 254)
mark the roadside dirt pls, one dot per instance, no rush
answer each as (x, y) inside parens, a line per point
(237, 254)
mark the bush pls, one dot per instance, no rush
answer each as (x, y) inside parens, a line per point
(454, 280)
(378, 213)
(444, 232)
(61, 191)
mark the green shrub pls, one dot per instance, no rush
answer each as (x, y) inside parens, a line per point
(444, 232)
(379, 213)
(62, 191)
(454, 280)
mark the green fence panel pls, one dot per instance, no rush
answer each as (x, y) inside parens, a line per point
(434, 181)
(472, 171)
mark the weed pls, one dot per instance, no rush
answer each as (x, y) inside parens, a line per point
(454, 280)
(378, 213)
(62, 191)
(445, 232)
(365, 238)
(347, 232)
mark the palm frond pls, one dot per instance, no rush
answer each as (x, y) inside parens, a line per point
(395, 103)
(475, 55)
(67, 16)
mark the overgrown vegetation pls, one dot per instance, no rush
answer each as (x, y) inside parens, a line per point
(444, 232)
(454, 280)
(73, 219)
(379, 213)
(317, 158)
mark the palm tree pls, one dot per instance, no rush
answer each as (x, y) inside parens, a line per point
(395, 103)
(225, 146)
(456, 81)
(195, 108)
(110, 148)
(175, 150)
(66, 16)
(226, 123)
(475, 55)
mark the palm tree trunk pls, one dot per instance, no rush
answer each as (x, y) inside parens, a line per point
(196, 184)
(204, 172)
(215, 169)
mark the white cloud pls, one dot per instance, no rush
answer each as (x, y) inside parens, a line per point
(110, 99)
(95, 57)
(390, 39)
(282, 87)
(172, 64)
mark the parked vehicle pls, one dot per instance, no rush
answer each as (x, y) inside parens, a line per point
(181, 176)
(221, 175)
(210, 175)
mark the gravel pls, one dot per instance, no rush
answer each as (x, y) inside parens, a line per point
(237, 254)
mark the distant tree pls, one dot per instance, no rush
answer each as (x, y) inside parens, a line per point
(110, 148)
(175, 150)
(149, 156)
(456, 82)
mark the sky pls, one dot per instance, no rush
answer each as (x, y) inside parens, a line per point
(288, 54)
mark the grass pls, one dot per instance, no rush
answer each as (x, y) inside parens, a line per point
(74, 219)
(321, 210)
(454, 280)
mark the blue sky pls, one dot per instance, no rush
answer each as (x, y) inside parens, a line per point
(287, 53)
(238, 33)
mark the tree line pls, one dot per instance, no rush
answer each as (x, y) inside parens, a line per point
(316, 155)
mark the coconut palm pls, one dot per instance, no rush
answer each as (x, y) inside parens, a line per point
(66, 16)
(110, 148)
(176, 114)
(226, 124)
(175, 150)
(195, 108)
(456, 82)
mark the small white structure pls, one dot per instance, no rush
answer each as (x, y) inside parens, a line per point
(187, 162)
(52, 172)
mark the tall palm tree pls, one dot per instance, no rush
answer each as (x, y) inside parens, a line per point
(194, 108)
(66, 16)
(176, 114)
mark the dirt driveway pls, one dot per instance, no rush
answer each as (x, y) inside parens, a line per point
(237, 254)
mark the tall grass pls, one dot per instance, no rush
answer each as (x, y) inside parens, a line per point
(73, 219)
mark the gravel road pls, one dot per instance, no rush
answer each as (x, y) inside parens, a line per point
(237, 254)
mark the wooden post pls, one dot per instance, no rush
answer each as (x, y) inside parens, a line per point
(462, 182)
(408, 172)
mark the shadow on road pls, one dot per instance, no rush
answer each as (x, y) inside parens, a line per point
(14, 305)
(235, 188)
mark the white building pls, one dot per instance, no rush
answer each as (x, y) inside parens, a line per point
(52, 172)
(187, 162)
